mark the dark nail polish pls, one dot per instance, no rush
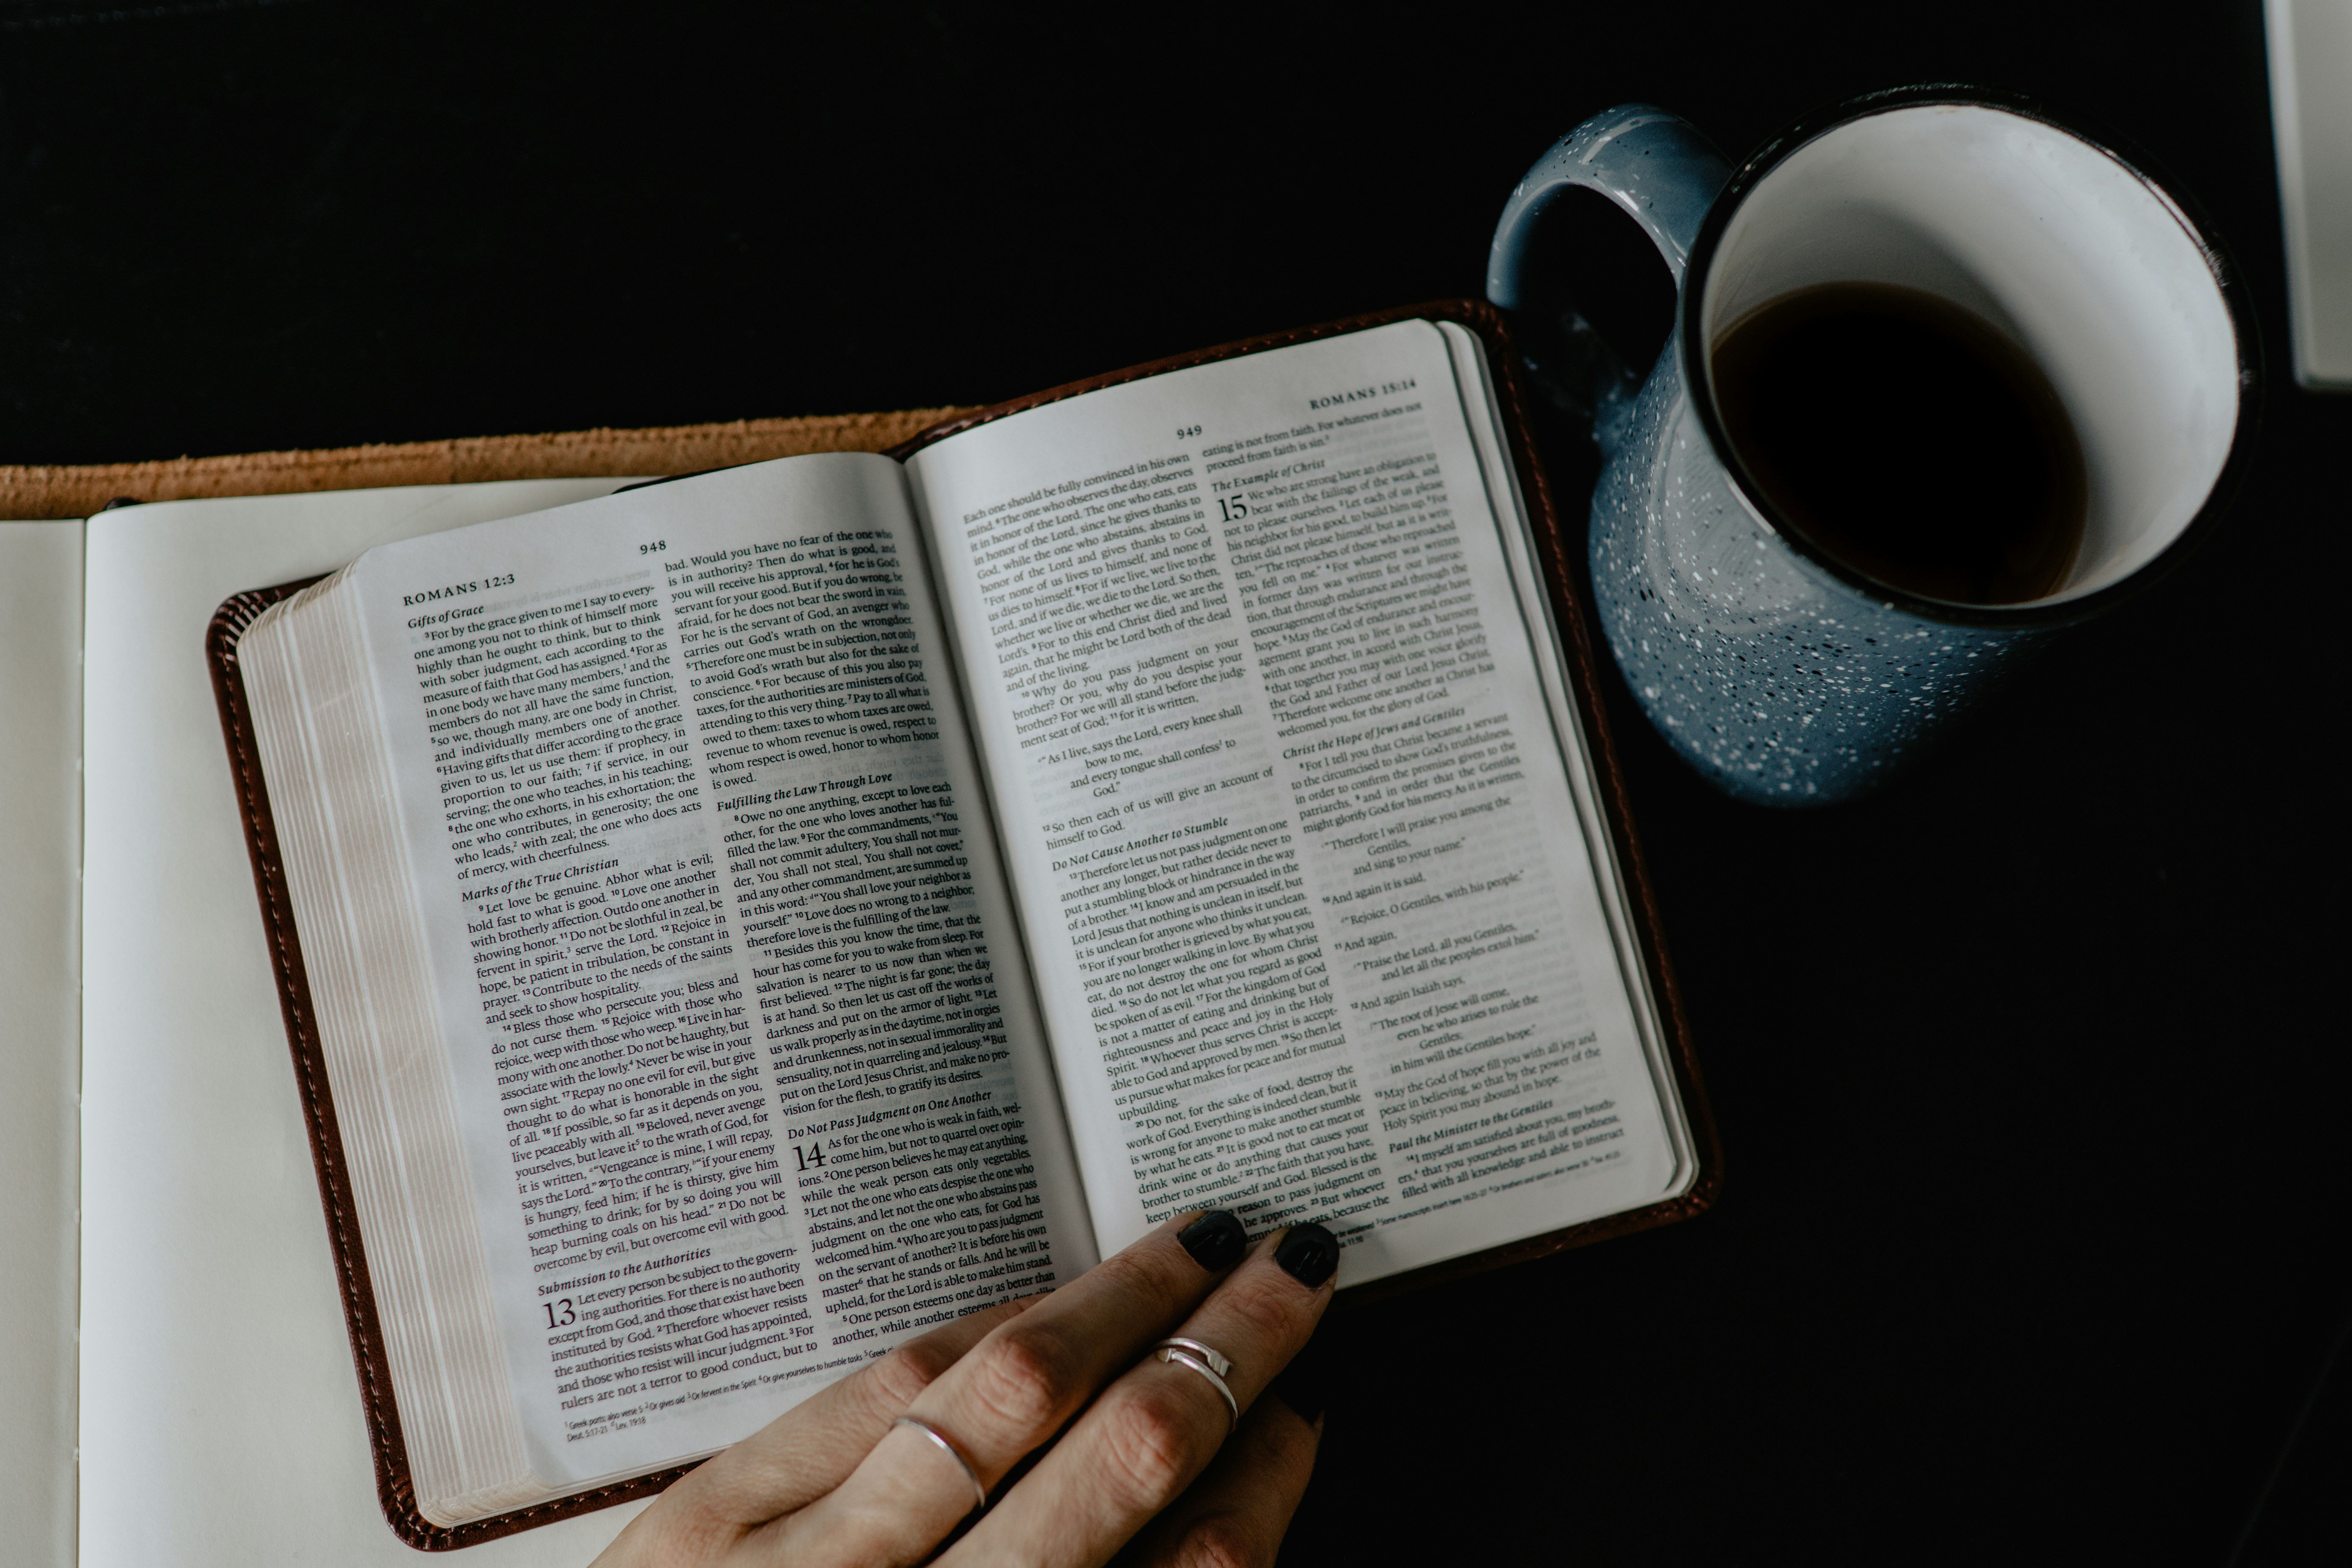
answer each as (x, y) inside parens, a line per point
(1309, 1254)
(1216, 1240)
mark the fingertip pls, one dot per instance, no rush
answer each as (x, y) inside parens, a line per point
(1216, 1240)
(1308, 1253)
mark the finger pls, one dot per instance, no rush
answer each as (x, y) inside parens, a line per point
(1235, 1515)
(811, 1448)
(1153, 1431)
(803, 1453)
(1011, 1394)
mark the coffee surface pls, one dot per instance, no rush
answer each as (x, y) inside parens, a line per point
(1906, 437)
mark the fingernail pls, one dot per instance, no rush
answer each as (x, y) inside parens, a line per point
(1216, 1240)
(1309, 1254)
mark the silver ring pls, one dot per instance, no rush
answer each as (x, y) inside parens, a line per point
(1217, 1364)
(1169, 1352)
(979, 1492)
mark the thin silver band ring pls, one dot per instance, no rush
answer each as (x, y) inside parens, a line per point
(979, 1492)
(1170, 1353)
(1217, 1364)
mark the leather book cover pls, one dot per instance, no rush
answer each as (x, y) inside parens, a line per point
(237, 615)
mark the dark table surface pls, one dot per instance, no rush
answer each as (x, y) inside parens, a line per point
(2035, 1226)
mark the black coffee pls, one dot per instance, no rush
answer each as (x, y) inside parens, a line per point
(1908, 439)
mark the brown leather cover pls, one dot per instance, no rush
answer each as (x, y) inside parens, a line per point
(46, 489)
(230, 623)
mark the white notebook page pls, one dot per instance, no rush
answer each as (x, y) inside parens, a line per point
(221, 1421)
(40, 1045)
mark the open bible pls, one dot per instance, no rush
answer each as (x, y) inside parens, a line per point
(732, 925)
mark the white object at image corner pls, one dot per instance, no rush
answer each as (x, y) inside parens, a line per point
(2311, 119)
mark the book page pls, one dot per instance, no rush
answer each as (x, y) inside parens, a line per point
(1311, 896)
(751, 1081)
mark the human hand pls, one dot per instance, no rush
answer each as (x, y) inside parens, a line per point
(841, 1481)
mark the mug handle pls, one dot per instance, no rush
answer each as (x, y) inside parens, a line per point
(1659, 170)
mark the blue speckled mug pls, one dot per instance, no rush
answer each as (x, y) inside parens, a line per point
(1783, 674)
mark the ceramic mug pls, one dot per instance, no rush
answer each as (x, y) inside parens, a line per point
(1783, 673)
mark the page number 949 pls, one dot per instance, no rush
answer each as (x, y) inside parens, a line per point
(657, 544)
(1188, 432)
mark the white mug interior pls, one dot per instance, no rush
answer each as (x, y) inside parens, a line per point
(2086, 266)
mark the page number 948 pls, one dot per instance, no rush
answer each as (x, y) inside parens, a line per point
(1188, 432)
(657, 544)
